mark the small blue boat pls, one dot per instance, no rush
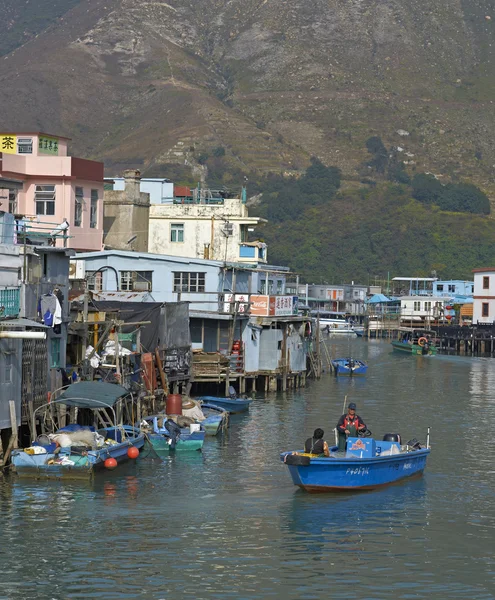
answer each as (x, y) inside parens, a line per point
(162, 439)
(48, 458)
(231, 405)
(367, 464)
(217, 418)
(349, 366)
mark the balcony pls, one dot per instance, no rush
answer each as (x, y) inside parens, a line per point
(10, 302)
(252, 252)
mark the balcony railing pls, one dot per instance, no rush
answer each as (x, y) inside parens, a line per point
(10, 302)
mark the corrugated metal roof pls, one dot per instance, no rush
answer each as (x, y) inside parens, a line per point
(22, 323)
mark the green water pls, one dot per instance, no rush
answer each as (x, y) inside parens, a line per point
(228, 523)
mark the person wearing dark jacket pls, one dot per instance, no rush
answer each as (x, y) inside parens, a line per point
(316, 444)
(349, 425)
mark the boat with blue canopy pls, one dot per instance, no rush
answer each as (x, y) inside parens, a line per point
(231, 405)
(349, 366)
(366, 464)
(97, 438)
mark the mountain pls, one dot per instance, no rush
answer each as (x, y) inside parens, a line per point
(270, 82)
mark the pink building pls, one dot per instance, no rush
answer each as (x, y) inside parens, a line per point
(52, 187)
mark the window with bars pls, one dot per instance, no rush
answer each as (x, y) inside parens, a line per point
(13, 202)
(94, 281)
(185, 281)
(486, 283)
(485, 311)
(177, 232)
(136, 281)
(44, 197)
(78, 207)
(93, 213)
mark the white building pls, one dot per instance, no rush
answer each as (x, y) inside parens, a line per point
(421, 310)
(214, 228)
(484, 295)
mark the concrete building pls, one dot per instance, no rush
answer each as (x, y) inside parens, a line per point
(126, 215)
(484, 295)
(50, 188)
(209, 226)
(452, 288)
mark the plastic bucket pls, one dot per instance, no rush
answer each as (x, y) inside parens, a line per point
(173, 405)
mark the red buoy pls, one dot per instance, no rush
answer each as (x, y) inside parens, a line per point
(110, 463)
(132, 452)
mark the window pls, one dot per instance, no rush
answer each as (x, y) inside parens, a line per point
(486, 283)
(12, 202)
(55, 352)
(136, 281)
(451, 288)
(94, 281)
(270, 287)
(24, 145)
(263, 287)
(78, 208)
(177, 232)
(44, 197)
(417, 306)
(427, 306)
(484, 310)
(189, 282)
(440, 287)
(279, 287)
(93, 212)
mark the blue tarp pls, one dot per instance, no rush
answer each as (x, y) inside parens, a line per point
(377, 299)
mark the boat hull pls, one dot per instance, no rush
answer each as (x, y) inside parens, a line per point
(413, 349)
(341, 367)
(216, 418)
(35, 466)
(188, 442)
(238, 405)
(351, 474)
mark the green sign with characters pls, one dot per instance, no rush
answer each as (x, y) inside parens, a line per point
(48, 145)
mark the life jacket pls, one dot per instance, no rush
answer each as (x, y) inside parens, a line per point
(351, 421)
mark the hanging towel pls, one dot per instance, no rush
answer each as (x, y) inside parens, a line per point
(57, 315)
(48, 307)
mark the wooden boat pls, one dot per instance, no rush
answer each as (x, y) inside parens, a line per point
(417, 343)
(217, 418)
(367, 464)
(231, 405)
(349, 366)
(112, 441)
(188, 438)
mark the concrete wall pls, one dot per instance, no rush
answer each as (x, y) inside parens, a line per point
(160, 191)
(203, 228)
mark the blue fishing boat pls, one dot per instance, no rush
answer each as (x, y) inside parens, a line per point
(217, 418)
(365, 465)
(78, 451)
(349, 366)
(165, 435)
(231, 405)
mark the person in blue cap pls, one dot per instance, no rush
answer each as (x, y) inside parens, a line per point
(349, 425)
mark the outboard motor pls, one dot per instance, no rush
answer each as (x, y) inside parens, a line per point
(392, 437)
(174, 431)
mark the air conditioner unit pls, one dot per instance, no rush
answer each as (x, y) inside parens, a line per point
(77, 269)
(141, 286)
(228, 229)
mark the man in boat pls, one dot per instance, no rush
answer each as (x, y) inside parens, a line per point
(316, 445)
(349, 425)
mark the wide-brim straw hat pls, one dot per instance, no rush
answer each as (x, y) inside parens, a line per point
(188, 403)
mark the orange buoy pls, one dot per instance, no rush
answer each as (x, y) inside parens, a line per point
(110, 463)
(132, 452)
